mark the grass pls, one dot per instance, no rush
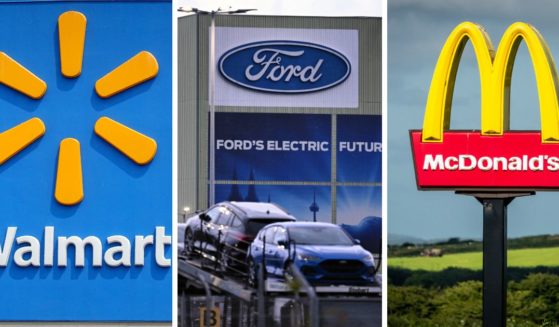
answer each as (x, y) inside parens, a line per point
(473, 260)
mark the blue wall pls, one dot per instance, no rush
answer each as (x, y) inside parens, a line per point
(271, 164)
(120, 196)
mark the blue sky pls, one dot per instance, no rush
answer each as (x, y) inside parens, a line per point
(417, 31)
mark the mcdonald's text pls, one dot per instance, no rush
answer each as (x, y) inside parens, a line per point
(486, 163)
(469, 160)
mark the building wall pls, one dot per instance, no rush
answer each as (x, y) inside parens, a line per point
(188, 102)
(369, 98)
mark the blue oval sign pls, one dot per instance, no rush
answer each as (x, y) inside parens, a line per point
(284, 66)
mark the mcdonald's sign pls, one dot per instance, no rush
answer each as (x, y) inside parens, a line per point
(493, 158)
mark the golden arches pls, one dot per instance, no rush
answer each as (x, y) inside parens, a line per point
(495, 70)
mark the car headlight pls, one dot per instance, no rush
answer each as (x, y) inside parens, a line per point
(368, 257)
(307, 257)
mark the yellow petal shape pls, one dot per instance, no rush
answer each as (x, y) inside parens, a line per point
(139, 148)
(14, 75)
(136, 70)
(19, 137)
(69, 183)
(71, 34)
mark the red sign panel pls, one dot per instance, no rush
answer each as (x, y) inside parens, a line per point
(470, 161)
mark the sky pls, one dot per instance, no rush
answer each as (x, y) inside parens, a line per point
(417, 31)
(292, 7)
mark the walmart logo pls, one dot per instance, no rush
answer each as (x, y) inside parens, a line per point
(136, 146)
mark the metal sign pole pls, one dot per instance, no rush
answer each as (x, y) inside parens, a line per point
(494, 261)
(495, 255)
(211, 96)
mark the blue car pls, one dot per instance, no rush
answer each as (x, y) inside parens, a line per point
(325, 254)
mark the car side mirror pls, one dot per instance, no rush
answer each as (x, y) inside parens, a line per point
(358, 242)
(204, 217)
(284, 243)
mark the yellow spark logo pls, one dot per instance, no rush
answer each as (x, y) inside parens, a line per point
(138, 147)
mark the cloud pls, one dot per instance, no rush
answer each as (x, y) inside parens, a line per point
(544, 11)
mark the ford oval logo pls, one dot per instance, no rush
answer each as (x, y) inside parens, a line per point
(284, 66)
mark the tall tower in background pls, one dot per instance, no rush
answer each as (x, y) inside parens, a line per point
(314, 207)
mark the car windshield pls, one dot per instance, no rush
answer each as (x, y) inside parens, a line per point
(255, 225)
(319, 235)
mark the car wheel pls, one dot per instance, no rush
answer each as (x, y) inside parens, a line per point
(189, 243)
(252, 273)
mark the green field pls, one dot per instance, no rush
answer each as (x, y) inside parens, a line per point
(473, 260)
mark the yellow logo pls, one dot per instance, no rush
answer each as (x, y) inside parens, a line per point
(495, 70)
(138, 147)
